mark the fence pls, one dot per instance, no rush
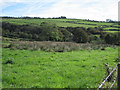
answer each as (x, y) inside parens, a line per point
(117, 78)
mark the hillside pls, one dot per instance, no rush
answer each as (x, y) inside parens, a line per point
(66, 23)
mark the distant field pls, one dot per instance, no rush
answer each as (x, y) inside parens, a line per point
(112, 31)
(62, 22)
(39, 69)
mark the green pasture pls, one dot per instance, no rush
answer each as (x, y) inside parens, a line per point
(39, 69)
(110, 28)
(112, 31)
(59, 22)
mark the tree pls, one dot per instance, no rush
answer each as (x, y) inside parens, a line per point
(49, 31)
(66, 34)
(102, 34)
(63, 17)
(35, 36)
(112, 38)
(80, 36)
(92, 31)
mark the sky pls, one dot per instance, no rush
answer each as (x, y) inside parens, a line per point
(79, 9)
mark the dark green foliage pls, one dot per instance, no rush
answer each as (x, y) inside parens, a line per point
(20, 31)
(102, 35)
(66, 34)
(49, 32)
(44, 32)
(93, 30)
(80, 36)
(61, 36)
(70, 29)
(35, 36)
(112, 38)
(95, 39)
(108, 39)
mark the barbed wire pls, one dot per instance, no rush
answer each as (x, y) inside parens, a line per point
(113, 83)
(107, 77)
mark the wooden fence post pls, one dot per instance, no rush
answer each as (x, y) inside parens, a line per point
(118, 82)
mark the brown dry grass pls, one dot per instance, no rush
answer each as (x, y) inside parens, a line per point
(55, 46)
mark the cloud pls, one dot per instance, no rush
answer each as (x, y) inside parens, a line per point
(98, 10)
(82, 9)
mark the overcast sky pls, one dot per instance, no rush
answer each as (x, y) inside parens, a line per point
(80, 9)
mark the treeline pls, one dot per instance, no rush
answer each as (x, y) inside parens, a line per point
(61, 17)
(27, 17)
(51, 32)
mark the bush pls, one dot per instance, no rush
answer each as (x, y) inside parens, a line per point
(112, 38)
(66, 34)
(95, 39)
(80, 36)
(49, 32)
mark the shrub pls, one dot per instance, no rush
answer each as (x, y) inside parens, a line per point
(66, 34)
(80, 36)
(49, 32)
(112, 38)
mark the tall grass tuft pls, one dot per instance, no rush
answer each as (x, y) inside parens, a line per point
(49, 46)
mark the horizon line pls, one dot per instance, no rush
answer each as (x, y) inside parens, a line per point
(53, 18)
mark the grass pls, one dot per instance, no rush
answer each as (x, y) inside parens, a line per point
(50, 46)
(35, 68)
(111, 28)
(39, 69)
(112, 31)
(60, 22)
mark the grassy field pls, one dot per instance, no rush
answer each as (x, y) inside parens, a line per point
(45, 64)
(39, 69)
(62, 22)
(112, 31)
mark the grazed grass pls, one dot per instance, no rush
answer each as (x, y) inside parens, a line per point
(111, 28)
(112, 31)
(39, 69)
(60, 22)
